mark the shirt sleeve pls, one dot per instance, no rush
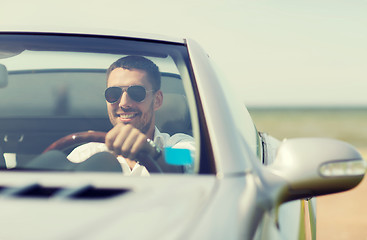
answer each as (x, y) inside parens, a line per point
(85, 151)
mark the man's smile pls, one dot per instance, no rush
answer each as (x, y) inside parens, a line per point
(127, 117)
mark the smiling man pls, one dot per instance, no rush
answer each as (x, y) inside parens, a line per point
(132, 96)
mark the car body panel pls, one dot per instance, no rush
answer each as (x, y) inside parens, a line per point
(133, 214)
(217, 115)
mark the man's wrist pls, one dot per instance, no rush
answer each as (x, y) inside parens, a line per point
(157, 151)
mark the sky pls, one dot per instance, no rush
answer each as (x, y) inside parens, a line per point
(272, 53)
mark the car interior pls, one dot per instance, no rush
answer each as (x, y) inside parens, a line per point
(55, 103)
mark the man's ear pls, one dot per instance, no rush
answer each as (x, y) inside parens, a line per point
(158, 100)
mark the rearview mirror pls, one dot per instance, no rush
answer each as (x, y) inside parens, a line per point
(316, 166)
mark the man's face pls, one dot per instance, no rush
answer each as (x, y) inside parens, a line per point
(126, 110)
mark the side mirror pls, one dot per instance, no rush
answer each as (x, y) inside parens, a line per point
(3, 76)
(316, 166)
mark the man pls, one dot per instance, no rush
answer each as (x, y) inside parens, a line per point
(133, 95)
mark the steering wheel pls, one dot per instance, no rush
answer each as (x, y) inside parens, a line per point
(76, 139)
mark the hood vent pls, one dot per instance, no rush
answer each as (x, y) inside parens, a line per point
(91, 192)
(86, 192)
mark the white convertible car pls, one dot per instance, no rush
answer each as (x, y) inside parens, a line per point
(236, 183)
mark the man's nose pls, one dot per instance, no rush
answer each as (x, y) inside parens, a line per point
(125, 100)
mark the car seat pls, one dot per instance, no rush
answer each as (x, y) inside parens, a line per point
(174, 116)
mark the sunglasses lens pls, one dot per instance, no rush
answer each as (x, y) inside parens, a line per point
(113, 94)
(137, 93)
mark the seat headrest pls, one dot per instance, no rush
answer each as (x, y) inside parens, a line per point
(174, 116)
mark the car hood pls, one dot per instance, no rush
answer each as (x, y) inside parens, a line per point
(46, 206)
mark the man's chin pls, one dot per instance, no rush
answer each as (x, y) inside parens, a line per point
(133, 122)
(117, 120)
(125, 121)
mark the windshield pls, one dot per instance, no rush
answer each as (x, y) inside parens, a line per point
(52, 86)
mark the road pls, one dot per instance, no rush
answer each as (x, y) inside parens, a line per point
(343, 215)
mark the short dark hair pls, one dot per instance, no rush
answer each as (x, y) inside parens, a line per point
(141, 63)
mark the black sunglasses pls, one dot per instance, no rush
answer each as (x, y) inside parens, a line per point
(135, 92)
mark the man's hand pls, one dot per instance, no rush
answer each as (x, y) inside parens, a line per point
(126, 140)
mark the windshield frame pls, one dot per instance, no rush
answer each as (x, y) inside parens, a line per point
(152, 48)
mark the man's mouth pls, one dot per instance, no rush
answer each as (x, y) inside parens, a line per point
(126, 117)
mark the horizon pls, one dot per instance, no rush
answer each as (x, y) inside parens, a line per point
(308, 107)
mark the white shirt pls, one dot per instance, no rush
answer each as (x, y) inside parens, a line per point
(162, 140)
